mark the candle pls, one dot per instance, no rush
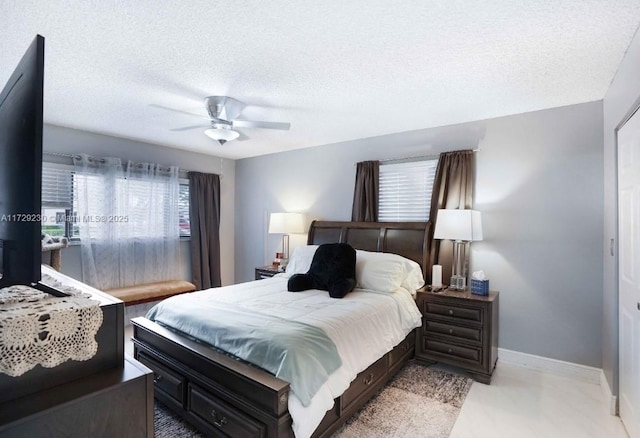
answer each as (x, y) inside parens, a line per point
(436, 276)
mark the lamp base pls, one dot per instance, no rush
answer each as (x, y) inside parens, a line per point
(458, 282)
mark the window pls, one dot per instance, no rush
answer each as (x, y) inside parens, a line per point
(59, 203)
(405, 190)
(57, 195)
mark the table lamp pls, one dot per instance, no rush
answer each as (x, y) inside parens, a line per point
(461, 226)
(285, 224)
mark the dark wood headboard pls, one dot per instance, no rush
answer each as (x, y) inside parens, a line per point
(408, 239)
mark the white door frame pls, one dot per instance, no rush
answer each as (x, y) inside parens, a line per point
(634, 109)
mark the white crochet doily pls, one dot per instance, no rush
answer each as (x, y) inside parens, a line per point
(39, 329)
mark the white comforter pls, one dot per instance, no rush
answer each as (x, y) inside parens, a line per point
(364, 325)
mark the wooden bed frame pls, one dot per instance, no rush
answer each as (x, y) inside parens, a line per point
(223, 396)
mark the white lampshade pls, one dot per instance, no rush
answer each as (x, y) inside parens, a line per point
(286, 223)
(222, 135)
(458, 225)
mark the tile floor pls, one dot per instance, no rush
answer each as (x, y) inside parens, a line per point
(523, 403)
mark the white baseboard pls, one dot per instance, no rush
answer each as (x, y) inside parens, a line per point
(612, 400)
(553, 366)
(562, 368)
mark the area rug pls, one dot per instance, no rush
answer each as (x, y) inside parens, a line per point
(419, 402)
(169, 425)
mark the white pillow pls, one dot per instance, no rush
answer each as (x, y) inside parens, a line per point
(387, 272)
(414, 279)
(300, 260)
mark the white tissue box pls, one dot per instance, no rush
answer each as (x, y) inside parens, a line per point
(479, 287)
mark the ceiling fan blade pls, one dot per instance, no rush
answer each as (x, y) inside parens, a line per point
(187, 128)
(265, 125)
(153, 105)
(242, 137)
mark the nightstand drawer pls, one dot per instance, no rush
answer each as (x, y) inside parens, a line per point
(466, 313)
(468, 353)
(472, 334)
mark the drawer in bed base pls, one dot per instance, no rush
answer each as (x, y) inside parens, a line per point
(365, 381)
(165, 380)
(365, 385)
(241, 382)
(220, 417)
(401, 351)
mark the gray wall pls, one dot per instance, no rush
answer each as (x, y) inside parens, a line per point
(539, 184)
(73, 141)
(622, 96)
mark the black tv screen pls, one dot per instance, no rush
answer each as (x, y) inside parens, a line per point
(21, 106)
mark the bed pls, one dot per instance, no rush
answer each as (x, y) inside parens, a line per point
(224, 396)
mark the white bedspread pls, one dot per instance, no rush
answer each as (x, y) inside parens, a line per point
(364, 325)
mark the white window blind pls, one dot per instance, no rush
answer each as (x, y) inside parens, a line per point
(184, 220)
(405, 190)
(59, 200)
(57, 186)
(138, 208)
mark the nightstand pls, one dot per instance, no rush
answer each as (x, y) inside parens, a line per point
(460, 329)
(266, 272)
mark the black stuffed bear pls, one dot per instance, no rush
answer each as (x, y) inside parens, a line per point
(333, 268)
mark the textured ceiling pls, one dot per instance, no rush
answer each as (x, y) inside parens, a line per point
(337, 72)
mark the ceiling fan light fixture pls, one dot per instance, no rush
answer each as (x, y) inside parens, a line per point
(223, 112)
(221, 134)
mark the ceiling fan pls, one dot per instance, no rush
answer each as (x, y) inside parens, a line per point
(223, 123)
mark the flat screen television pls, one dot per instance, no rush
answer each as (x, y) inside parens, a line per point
(20, 196)
(21, 107)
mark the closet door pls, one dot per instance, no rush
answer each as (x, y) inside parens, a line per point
(629, 272)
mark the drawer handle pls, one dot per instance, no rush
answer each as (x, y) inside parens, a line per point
(450, 312)
(450, 331)
(221, 421)
(156, 378)
(450, 350)
(368, 380)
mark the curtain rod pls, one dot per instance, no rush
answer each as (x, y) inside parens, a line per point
(72, 156)
(419, 157)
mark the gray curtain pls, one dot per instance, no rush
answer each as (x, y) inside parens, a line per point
(453, 189)
(365, 194)
(204, 210)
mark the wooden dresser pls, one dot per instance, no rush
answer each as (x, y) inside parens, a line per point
(109, 395)
(114, 403)
(460, 329)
